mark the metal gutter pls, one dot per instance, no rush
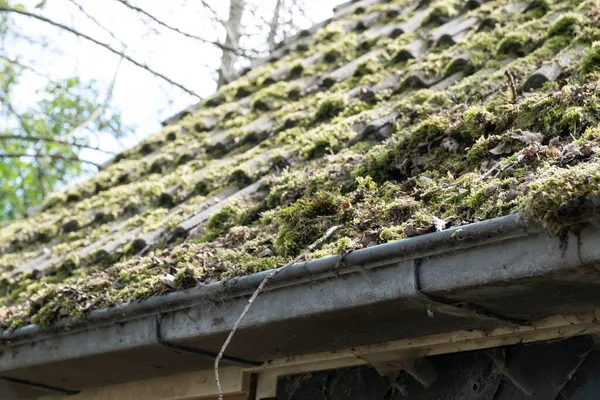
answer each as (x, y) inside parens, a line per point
(414, 248)
(502, 272)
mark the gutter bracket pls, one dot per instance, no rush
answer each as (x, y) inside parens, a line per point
(465, 309)
(39, 386)
(199, 352)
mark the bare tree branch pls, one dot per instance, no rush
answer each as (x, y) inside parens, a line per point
(213, 12)
(53, 156)
(99, 43)
(40, 178)
(25, 67)
(98, 111)
(258, 290)
(97, 23)
(52, 140)
(61, 141)
(174, 29)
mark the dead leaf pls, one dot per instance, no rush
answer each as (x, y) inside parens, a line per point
(502, 148)
(425, 179)
(168, 280)
(450, 144)
(266, 253)
(526, 136)
(439, 223)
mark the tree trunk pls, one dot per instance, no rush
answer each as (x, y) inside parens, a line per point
(233, 31)
(274, 25)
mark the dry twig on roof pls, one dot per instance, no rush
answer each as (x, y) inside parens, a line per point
(258, 290)
(513, 87)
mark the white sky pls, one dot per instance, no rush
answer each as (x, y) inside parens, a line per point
(144, 99)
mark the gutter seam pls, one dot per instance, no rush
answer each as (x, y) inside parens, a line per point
(474, 235)
(199, 352)
(465, 308)
(453, 239)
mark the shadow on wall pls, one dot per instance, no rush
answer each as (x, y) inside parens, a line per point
(558, 370)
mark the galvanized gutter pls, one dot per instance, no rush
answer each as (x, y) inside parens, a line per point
(372, 257)
(481, 276)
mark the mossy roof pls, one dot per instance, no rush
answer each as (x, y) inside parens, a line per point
(395, 119)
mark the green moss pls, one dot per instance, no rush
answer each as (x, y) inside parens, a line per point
(356, 108)
(590, 62)
(215, 100)
(400, 210)
(243, 91)
(568, 24)
(564, 196)
(430, 128)
(221, 221)
(454, 154)
(367, 68)
(565, 112)
(270, 97)
(478, 121)
(329, 106)
(330, 32)
(54, 200)
(515, 44)
(296, 70)
(327, 138)
(440, 13)
(332, 55)
(537, 8)
(305, 221)
(243, 263)
(343, 245)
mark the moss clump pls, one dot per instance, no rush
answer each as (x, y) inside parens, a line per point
(537, 9)
(325, 138)
(296, 70)
(221, 221)
(564, 112)
(515, 44)
(478, 121)
(54, 200)
(330, 106)
(440, 13)
(367, 68)
(215, 101)
(242, 92)
(243, 263)
(379, 164)
(56, 303)
(590, 63)
(332, 56)
(305, 221)
(568, 24)
(564, 196)
(185, 278)
(400, 210)
(430, 128)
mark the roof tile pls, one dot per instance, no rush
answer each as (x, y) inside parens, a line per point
(412, 120)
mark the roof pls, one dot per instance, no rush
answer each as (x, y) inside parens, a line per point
(396, 119)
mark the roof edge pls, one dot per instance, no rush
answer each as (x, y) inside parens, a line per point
(478, 276)
(457, 238)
